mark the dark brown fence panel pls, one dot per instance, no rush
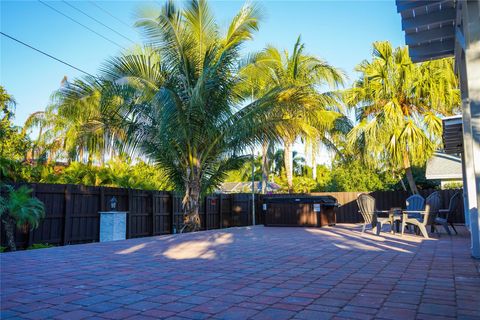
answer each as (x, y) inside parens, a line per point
(72, 211)
(162, 213)
(226, 211)
(212, 218)
(241, 209)
(177, 213)
(82, 218)
(51, 227)
(140, 214)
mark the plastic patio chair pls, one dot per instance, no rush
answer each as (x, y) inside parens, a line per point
(427, 216)
(445, 216)
(366, 204)
(415, 203)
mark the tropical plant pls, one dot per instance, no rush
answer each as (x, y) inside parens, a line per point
(178, 97)
(81, 126)
(18, 208)
(312, 116)
(398, 106)
(14, 144)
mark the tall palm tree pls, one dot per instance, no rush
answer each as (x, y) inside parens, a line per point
(81, 123)
(316, 112)
(398, 107)
(179, 102)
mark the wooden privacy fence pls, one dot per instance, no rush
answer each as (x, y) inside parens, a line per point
(72, 211)
(348, 211)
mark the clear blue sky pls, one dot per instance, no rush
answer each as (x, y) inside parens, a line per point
(339, 31)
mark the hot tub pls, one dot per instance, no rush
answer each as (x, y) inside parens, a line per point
(299, 211)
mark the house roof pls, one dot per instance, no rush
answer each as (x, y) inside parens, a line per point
(429, 28)
(443, 166)
(235, 187)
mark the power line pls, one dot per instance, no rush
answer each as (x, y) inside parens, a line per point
(86, 27)
(111, 15)
(98, 21)
(46, 54)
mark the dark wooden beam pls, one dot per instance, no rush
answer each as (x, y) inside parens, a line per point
(430, 18)
(430, 35)
(403, 5)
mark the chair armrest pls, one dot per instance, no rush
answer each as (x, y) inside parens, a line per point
(414, 211)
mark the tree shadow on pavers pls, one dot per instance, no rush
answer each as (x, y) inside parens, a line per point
(346, 237)
(198, 245)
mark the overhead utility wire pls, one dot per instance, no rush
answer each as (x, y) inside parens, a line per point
(98, 21)
(111, 15)
(86, 27)
(46, 54)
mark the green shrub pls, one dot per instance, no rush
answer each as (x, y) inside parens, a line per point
(40, 246)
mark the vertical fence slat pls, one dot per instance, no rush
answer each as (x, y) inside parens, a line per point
(68, 211)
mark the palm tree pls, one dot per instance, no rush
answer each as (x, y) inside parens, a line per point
(18, 208)
(316, 112)
(179, 102)
(398, 107)
(81, 123)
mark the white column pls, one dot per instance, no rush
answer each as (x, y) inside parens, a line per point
(470, 78)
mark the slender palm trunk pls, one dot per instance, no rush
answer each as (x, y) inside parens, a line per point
(314, 166)
(191, 202)
(264, 166)
(288, 156)
(408, 173)
(9, 224)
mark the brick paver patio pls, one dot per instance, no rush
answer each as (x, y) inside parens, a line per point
(241, 273)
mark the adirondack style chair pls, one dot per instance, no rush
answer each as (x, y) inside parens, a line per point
(369, 212)
(445, 216)
(427, 216)
(415, 203)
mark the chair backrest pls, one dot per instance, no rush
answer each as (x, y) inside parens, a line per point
(415, 203)
(453, 205)
(432, 207)
(366, 204)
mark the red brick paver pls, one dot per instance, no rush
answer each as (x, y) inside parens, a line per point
(247, 273)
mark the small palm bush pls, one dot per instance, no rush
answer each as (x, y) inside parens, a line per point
(18, 208)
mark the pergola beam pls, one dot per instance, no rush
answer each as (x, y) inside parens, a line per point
(430, 35)
(433, 50)
(440, 16)
(403, 5)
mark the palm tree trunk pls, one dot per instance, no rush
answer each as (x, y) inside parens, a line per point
(191, 202)
(9, 224)
(314, 166)
(288, 156)
(264, 166)
(408, 173)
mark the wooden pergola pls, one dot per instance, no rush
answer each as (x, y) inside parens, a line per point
(443, 28)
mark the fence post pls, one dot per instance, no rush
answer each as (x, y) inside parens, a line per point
(102, 199)
(129, 214)
(68, 212)
(205, 205)
(153, 212)
(220, 216)
(172, 211)
(30, 230)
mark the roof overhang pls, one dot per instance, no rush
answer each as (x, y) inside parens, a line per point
(429, 27)
(452, 135)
